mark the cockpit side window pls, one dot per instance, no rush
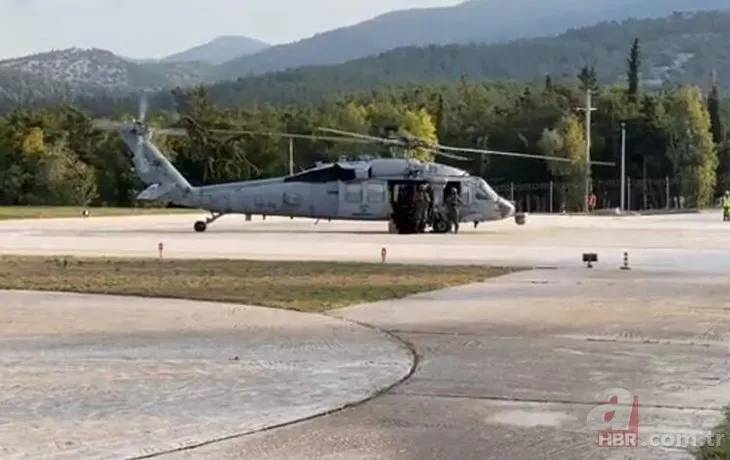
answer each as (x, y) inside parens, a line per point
(484, 192)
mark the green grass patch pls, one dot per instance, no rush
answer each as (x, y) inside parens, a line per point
(303, 286)
(47, 212)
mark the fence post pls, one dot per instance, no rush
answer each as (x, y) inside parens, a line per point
(512, 191)
(667, 192)
(551, 197)
(628, 194)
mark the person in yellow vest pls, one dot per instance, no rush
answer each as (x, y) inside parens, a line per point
(726, 205)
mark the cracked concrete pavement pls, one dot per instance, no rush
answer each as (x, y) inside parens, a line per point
(98, 377)
(508, 368)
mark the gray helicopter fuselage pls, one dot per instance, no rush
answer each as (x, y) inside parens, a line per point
(348, 191)
(344, 190)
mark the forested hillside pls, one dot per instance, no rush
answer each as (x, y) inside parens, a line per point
(54, 156)
(677, 49)
(478, 21)
(100, 69)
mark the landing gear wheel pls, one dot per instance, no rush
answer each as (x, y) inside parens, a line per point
(200, 226)
(407, 227)
(441, 226)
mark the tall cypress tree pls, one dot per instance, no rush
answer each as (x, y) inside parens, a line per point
(713, 107)
(632, 76)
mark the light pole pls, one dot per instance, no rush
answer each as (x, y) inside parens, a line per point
(623, 166)
(588, 109)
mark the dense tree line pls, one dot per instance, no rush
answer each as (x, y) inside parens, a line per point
(54, 156)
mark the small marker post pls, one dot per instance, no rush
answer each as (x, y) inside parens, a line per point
(383, 254)
(160, 247)
(589, 258)
(625, 265)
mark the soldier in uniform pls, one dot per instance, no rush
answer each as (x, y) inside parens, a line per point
(422, 203)
(453, 201)
(428, 198)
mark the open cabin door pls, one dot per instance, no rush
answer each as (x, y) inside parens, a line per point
(465, 189)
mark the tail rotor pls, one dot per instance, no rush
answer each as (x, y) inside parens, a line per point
(138, 126)
(142, 111)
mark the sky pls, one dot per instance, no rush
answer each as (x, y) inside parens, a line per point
(157, 28)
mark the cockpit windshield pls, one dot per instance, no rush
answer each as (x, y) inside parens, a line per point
(484, 191)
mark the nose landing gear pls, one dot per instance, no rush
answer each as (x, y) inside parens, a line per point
(202, 225)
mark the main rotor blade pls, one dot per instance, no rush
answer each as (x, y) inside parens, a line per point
(172, 131)
(108, 125)
(288, 135)
(449, 155)
(357, 135)
(523, 155)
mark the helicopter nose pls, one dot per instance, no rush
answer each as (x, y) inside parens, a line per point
(506, 209)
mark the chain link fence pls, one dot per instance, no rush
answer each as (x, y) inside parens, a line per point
(556, 197)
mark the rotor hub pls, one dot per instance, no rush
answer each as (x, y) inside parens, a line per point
(139, 129)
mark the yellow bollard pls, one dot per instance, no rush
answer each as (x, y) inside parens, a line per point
(383, 255)
(160, 247)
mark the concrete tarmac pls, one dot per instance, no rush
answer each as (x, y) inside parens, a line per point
(691, 242)
(102, 377)
(509, 368)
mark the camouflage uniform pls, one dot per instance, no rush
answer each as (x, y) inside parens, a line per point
(420, 207)
(453, 201)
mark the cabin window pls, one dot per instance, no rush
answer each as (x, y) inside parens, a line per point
(376, 193)
(353, 193)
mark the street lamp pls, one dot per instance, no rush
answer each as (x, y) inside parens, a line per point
(588, 110)
(623, 166)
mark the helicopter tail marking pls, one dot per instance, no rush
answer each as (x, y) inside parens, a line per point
(156, 171)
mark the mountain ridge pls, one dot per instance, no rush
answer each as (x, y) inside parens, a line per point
(98, 68)
(219, 50)
(474, 21)
(683, 47)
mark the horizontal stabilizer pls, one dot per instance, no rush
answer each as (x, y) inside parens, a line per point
(155, 192)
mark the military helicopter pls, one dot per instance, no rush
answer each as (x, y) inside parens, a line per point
(352, 188)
